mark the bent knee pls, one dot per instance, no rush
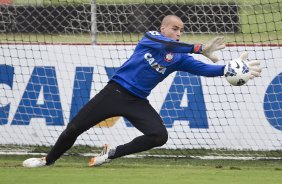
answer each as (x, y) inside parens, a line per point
(160, 138)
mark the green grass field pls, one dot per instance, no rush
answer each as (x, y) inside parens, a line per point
(73, 170)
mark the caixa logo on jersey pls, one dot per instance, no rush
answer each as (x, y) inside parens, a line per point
(43, 82)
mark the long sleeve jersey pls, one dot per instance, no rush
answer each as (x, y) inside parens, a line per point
(154, 58)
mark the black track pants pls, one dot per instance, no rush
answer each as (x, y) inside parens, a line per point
(112, 101)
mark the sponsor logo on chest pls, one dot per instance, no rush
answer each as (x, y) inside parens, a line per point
(148, 57)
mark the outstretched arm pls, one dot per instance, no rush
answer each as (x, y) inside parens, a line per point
(154, 39)
(189, 64)
(196, 67)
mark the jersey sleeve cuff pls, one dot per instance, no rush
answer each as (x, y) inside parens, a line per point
(198, 49)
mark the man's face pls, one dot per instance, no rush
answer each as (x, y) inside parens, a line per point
(173, 29)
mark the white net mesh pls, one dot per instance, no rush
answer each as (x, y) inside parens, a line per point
(56, 55)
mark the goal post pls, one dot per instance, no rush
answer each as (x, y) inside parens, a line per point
(56, 55)
(93, 21)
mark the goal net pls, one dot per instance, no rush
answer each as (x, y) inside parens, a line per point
(56, 55)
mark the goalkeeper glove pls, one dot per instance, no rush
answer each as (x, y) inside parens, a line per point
(254, 65)
(238, 71)
(216, 44)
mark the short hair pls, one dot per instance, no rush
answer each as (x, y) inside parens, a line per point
(167, 19)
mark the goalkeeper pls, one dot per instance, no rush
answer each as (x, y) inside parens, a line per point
(157, 55)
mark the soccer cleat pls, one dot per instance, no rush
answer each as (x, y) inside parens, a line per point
(102, 158)
(35, 162)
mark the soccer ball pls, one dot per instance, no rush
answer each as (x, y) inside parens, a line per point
(237, 72)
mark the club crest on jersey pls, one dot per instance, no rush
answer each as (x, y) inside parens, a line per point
(169, 57)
